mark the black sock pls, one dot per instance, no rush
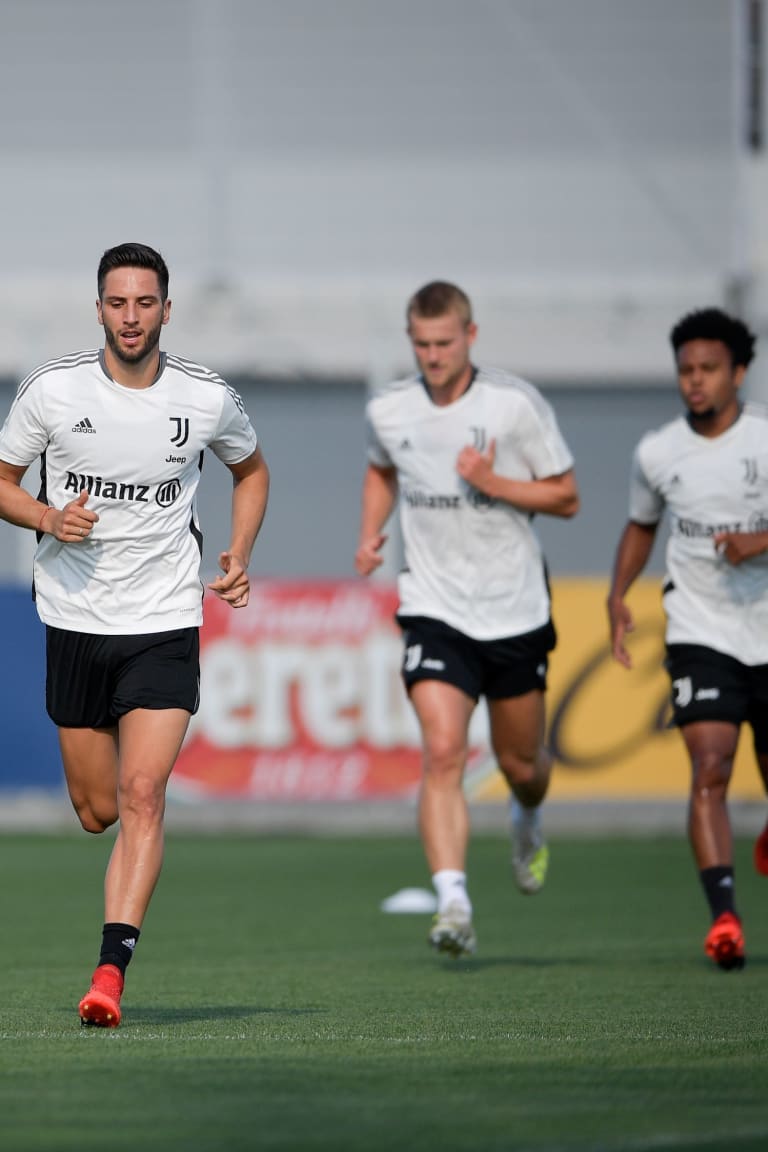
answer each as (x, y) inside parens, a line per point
(718, 888)
(117, 944)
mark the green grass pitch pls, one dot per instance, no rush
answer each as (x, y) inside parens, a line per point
(272, 1005)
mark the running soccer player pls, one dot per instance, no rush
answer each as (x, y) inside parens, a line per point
(473, 455)
(121, 434)
(709, 470)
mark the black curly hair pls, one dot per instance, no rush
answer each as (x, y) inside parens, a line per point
(714, 324)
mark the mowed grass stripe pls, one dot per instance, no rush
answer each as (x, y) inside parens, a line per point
(272, 1005)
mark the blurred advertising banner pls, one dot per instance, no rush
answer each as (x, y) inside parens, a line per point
(302, 699)
(29, 747)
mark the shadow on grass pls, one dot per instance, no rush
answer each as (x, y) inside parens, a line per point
(469, 964)
(481, 963)
(213, 1012)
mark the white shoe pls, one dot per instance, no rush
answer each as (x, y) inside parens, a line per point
(452, 931)
(530, 854)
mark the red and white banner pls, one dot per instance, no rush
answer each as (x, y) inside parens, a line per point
(301, 698)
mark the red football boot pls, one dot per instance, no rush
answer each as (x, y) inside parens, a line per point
(101, 1004)
(724, 942)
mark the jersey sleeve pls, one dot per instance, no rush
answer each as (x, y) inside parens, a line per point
(24, 435)
(544, 446)
(646, 504)
(235, 437)
(376, 452)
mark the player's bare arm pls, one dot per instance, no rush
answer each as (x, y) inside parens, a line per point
(70, 524)
(378, 501)
(249, 504)
(550, 495)
(736, 547)
(632, 555)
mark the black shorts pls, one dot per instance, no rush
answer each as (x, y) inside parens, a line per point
(708, 685)
(92, 681)
(496, 669)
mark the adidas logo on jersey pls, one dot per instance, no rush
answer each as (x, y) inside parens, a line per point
(83, 426)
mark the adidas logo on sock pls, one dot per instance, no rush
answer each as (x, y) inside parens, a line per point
(129, 943)
(83, 426)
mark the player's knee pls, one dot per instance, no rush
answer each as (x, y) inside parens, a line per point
(94, 821)
(142, 795)
(711, 775)
(444, 759)
(518, 769)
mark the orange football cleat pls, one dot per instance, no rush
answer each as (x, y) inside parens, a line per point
(101, 1004)
(724, 942)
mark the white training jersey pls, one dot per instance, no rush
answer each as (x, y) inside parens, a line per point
(139, 454)
(709, 485)
(470, 561)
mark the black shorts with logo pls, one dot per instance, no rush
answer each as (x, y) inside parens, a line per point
(708, 685)
(496, 669)
(92, 681)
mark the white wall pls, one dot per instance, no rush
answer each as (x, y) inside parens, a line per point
(306, 164)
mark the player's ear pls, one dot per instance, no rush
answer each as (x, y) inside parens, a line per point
(99, 314)
(166, 312)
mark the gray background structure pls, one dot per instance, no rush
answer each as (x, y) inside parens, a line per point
(581, 165)
(587, 169)
(584, 168)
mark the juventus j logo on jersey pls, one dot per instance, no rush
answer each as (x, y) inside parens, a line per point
(181, 424)
(750, 469)
(478, 438)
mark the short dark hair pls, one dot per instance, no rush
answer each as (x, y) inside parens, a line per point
(714, 324)
(133, 256)
(437, 299)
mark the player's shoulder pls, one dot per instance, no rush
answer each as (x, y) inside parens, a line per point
(394, 393)
(665, 437)
(512, 389)
(757, 411)
(195, 371)
(49, 369)
(495, 377)
(206, 378)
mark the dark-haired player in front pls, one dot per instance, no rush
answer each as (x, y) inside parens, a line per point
(121, 433)
(709, 470)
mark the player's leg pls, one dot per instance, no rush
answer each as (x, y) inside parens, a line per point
(517, 737)
(711, 746)
(444, 712)
(149, 744)
(77, 700)
(710, 701)
(90, 759)
(150, 741)
(154, 693)
(515, 681)
(441, 675)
